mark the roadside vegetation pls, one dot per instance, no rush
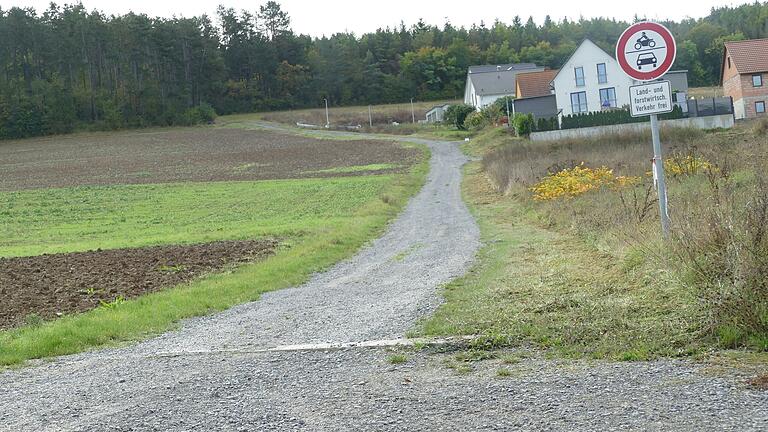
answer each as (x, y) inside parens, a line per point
(316, 222)
(574, 260)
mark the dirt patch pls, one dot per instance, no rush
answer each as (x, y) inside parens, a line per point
(759, 382)
(48, 286)
(181, 155)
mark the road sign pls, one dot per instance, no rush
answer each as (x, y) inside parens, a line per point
(651, 98)
(646, 51)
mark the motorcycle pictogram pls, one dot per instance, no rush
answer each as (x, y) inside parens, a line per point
(645, 41)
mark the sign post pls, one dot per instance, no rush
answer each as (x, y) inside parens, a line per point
(645, 52)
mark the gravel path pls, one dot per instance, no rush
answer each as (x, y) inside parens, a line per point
(212, 375)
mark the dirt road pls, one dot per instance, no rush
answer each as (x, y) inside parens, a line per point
(216, 374)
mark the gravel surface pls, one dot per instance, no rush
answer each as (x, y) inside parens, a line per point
(203, 377)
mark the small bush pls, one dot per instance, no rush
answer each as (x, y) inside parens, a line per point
(201, 114)
(456, 115)
(476, 121)
(524, 124)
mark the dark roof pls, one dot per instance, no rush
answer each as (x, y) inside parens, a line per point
(503, 67)
(533, 84)
(749, 56)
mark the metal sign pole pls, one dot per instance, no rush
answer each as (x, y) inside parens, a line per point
(370, 117)
(658, 163)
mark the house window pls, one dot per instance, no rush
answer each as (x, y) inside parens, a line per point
(757, 80)
(602, 74)
(729, 62)
(579, 77)
(579, 102)
(760, 107)
(608, 98)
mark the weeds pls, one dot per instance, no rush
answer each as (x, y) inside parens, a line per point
(397, 359)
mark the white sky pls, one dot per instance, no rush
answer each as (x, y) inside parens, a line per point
(320, 17)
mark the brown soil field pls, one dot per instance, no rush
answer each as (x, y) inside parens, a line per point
(182, 155)
(49, 286)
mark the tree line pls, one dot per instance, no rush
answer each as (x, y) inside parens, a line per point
(72, 68)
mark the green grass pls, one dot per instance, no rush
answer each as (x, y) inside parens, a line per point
(397, 359)
(109, 217)
(356, 169)
(533, 286)
(340, 216)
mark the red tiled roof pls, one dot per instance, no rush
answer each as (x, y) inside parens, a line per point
(534, 84)
(749, 56)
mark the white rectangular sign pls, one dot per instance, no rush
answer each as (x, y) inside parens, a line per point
(650, 98)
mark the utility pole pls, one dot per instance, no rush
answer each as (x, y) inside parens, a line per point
(658, 171)
(413, 112)
(327, 118)
(509, 119)
(370, 116)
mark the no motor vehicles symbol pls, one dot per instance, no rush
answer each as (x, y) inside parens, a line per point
(646, 51)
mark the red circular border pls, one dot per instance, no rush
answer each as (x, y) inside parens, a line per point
(661, 70)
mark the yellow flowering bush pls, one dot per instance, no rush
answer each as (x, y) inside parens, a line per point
(686, 165)
(578, 180)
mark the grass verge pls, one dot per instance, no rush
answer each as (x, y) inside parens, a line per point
(539, 287)
(158, 312)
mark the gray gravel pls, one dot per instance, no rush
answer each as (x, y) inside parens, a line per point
(191, 379)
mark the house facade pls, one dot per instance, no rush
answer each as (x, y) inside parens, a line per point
(488, 83)
(592, 80)
(745, 72)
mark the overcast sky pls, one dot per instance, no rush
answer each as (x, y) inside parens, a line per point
(317, 17)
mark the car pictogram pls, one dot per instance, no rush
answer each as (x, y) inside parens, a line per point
(646, 59)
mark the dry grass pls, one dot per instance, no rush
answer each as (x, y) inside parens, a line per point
(357, 115)
(719, 250)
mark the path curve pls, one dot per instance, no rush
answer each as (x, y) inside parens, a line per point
(378, 294)
(218, 373)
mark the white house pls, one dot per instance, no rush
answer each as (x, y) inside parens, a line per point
(488, 83)
(592, 80)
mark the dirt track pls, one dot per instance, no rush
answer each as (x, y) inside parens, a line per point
(52, 285)
(182, 155)
(214, 375)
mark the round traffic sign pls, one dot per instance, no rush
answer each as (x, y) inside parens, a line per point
(646, 51)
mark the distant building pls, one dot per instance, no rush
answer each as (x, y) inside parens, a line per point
(436, 114)
(486, 84)
(592, 80)
(535, 94)
(744, 72)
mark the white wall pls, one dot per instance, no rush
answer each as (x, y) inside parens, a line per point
(588, 56)
(724, 121)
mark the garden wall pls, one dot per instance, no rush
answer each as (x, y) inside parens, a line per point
(724, 121)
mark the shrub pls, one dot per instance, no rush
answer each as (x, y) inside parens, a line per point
(578, 180)
(456, 115)
(523, 124)
(475, 121)
(547, 124)
(612, 117)
(201, 114)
